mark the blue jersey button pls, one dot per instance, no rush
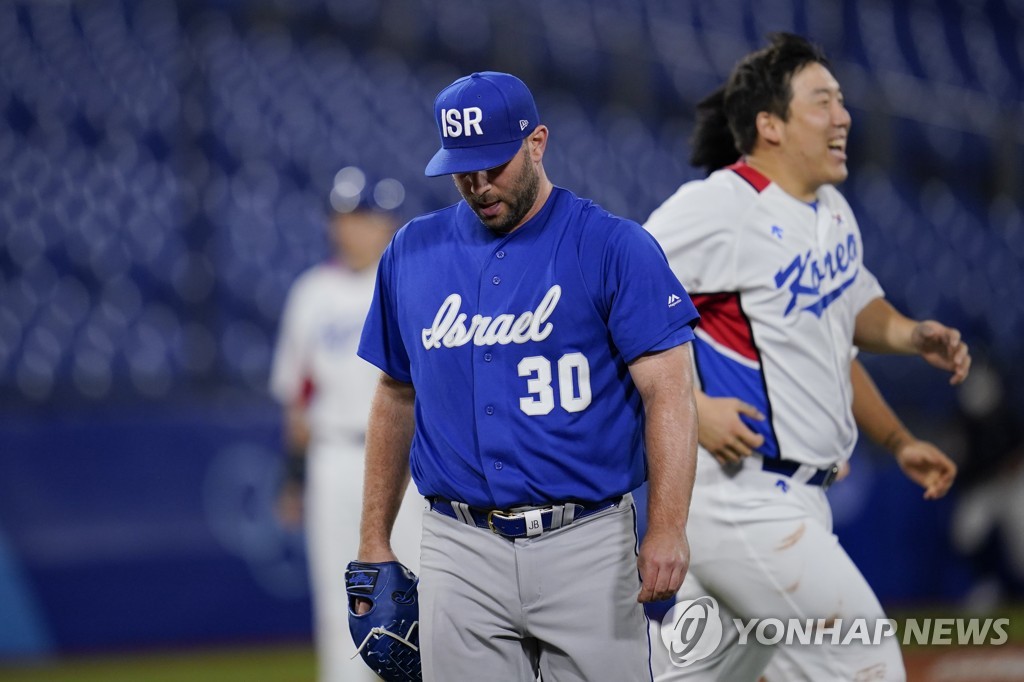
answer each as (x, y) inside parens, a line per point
(500, 254)
(489, 410)
(496, 280)
(487, 357)
(498, 464)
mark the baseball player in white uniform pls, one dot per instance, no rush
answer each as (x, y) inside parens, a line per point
(772, 256)
(326, 392)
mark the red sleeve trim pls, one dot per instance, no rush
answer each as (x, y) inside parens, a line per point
(722, 318)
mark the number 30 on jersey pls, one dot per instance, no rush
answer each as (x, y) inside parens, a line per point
(573, 384)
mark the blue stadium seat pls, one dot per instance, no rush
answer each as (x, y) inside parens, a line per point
(172, 162)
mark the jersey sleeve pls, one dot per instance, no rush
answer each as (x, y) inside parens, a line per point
(647, 307)
(696, 227)
(381, 343)
(289, 368)
(866, 289)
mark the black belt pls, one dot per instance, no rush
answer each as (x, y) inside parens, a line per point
(786, 467)
(521, 524)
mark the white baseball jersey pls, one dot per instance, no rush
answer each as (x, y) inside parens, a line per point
(316, 350)
(778, 284)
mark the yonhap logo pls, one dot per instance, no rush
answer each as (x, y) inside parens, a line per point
(691, 631)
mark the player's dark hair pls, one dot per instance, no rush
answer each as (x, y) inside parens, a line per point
(727, 118)
(712, 145)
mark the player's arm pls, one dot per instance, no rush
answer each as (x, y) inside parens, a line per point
(880, 328)
(920, 460)
(291, 385)
(388, 439)
(296, 444)
(665, 382)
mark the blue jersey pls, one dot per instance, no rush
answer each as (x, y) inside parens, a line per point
(517, 346)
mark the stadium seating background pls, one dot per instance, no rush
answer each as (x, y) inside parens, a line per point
(165, 174)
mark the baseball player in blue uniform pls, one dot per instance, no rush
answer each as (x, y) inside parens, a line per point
(536, 369)
(773, 255)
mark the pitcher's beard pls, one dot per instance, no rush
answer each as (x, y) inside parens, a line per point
(522, 195)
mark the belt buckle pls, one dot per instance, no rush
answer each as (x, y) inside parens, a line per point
(503, 515)
(830, 477)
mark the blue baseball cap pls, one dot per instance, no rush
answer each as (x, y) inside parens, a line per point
(482, 119)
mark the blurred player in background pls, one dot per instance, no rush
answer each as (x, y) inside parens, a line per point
(772, 256)
(988, 522)
(326, 391)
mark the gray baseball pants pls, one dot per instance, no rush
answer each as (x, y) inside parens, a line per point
(562, 604)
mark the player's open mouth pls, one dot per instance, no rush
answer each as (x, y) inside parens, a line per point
(838, 148)
(490, 209)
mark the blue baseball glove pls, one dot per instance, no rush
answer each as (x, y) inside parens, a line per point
(386, 636)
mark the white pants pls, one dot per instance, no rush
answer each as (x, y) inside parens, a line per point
(334, 493)
(562, 604)
(765, 549)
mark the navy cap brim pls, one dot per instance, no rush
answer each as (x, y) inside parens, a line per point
(471, 159)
